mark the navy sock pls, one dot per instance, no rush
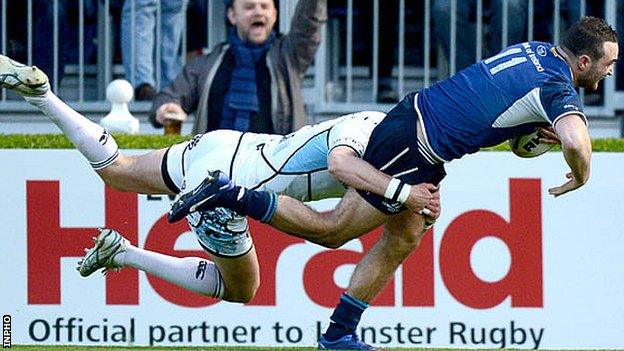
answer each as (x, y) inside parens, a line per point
(259, 205)
(345, 318)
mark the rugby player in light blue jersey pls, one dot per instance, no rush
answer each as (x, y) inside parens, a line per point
(295, 164)
(525, 86)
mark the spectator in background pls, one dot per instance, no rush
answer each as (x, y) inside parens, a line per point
(388, 26)
(517, 20)
(196, 28)
(138, 43)
(466, 22)
(43, 19)
(388, 32)
(252, 82)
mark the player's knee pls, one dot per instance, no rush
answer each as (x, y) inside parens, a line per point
(331, 243)
(243, 293)
(406, 241)
(115, 183)
(116, 175)
(333, 239)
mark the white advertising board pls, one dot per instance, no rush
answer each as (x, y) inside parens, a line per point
(507, 265)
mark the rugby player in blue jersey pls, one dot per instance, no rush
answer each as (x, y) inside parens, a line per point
(525, 86)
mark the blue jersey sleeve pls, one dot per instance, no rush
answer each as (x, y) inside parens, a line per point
(559, 99)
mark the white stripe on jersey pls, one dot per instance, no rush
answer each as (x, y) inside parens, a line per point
(396, 158)
(524, 110)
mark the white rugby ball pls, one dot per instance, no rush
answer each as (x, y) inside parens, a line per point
(528, 146)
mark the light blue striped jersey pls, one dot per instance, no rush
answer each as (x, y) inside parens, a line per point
(294, 164)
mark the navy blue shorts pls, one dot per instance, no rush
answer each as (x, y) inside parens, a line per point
(393, 149)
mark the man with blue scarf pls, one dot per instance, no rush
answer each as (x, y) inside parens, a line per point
(253, 81)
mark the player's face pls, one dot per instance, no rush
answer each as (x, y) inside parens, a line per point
(602, 67)
(253, 19)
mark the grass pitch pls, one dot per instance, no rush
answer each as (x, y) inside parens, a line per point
(223, 348)
(115, 348)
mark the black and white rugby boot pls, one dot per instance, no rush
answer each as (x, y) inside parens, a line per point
(204, 197)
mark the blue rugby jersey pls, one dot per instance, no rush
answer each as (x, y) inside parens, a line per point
(509, 94)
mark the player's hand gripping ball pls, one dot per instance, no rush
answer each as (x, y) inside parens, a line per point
(529, 145)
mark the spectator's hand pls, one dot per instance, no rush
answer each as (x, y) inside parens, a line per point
(423, 196)
(170, 113)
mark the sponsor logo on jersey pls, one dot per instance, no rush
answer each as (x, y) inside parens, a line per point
(541, 50)
(536, 62)
(392, 206)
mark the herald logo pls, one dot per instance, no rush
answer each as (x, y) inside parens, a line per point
(48, 242)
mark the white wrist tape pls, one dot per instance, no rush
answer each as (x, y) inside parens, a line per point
(404, 194)
(397, 191)
(392, 188)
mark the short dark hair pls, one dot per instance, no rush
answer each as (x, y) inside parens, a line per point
(587, 36)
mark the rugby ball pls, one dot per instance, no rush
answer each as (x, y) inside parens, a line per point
(528, 146)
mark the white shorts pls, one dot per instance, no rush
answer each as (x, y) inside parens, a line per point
(186, 164)
(220, 232)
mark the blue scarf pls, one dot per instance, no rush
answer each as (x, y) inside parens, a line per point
(241, 98)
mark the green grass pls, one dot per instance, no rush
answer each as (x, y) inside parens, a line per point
(58, 141)
(97, 348)
(102, 348)
(223, 348)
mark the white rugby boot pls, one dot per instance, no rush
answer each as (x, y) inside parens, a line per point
(108, 244)
(25, 80)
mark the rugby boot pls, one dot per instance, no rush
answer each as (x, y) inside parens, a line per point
(347, 342)
(108, 244)
(25, 80)
(204, 197)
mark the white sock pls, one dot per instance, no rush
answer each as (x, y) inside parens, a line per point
(99, 147)
(192, 273)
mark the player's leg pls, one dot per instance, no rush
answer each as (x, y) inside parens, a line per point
(88, 137)
(113, 252)
(136, 173)
(225, 236)
(351, 218)
(232, 274)
(240, 276)
(140, 174)
(401, 237)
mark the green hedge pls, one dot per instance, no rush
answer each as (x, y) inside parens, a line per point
(58, 141)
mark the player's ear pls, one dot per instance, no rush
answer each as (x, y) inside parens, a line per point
(231, 15)
(584, 62)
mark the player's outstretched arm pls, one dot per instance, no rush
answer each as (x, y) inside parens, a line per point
(345, 165)
(576, 146)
